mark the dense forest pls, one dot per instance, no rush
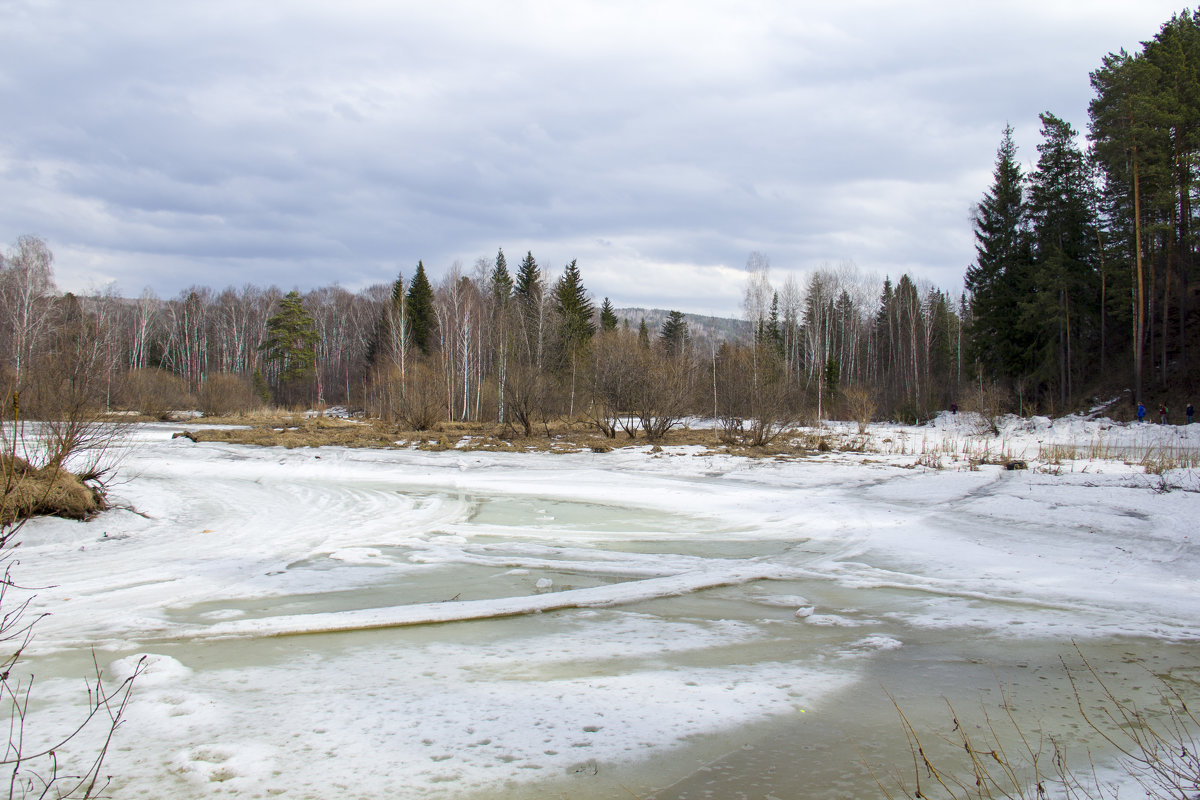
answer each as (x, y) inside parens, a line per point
(1083, 280)
(1081, 287)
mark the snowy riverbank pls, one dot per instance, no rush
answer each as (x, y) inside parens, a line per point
(478, 622)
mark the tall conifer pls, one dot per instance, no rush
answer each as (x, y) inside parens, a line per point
(419, 304)
(290, 343)
(501, 282)
(1064, 250)
(574, 306)
(528, 286)
(608, 316)
(674, 334)
(999, 279)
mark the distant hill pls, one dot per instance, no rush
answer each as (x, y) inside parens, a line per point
(723, 329)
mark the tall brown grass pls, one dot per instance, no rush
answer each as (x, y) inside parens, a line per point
(998, 756)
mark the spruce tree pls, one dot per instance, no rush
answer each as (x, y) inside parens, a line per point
(574, 307)
(259, 389)
(382, 333)
(528, 291)
(643, 334)
(1064, 251)
(674, 334)
(773, 333)
(528, 286)
(999, 279)
(500, 281)
(500, 284)
(833, 377)
(608, 317)
(419, 306)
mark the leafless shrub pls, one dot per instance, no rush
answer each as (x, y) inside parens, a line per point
(661, 392)
(422, 397)
(613, 371)
(224, 393)
(860, 400)
(755, 402)
(991, 402)
(414, 398)
(154, 392)
(525, 393)
(58, 411)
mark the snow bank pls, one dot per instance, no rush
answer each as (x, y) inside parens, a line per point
(436, 623)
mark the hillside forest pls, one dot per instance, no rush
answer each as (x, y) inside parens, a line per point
(1082, 286)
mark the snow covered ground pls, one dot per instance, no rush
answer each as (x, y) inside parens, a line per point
(367, 623)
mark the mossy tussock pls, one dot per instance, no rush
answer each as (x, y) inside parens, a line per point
(30, 491)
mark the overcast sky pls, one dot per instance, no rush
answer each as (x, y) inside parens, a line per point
(301, 144)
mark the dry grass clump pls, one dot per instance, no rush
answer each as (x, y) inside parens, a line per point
(1002, 757)
(292, 432)
(287, 430)
(291, 429)
(1153, 459)
(264, 416)
(282, 429)
(49, 491)
(1157, 460)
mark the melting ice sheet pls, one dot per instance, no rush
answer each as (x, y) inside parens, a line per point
(364, 623)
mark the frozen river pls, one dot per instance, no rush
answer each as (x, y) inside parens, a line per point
(355, 623)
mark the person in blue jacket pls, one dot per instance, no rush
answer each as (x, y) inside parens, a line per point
(1141, 412)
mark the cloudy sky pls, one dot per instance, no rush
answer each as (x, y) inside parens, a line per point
(165, 144)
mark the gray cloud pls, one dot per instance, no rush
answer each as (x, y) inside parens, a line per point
(300, 144)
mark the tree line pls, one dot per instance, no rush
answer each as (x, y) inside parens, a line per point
(510, 346)
(1083, 278)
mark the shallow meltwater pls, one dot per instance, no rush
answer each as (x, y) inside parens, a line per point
(473, 645)
(536, 512)
(443, 583)
(499, 548)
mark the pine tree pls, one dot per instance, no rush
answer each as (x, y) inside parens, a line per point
(290, 342)
(1143, 126)
(1176, 53)
(608, 317)
(419, 306)
(1129, 148)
